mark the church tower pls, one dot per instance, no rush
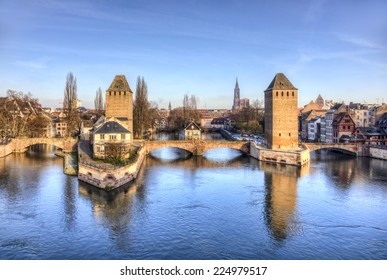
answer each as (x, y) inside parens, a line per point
(281, 114)
(236, 104)
(119, 101)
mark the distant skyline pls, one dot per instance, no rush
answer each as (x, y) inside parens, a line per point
(334, 48)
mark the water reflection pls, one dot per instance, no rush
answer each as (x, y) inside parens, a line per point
(169, 154)
(69, 202)
(280, 208)
(115, 209)
(223, 155)
(219, 206)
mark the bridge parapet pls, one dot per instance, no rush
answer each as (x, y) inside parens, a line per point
(197, 147)
(66, 144)
(345, 147)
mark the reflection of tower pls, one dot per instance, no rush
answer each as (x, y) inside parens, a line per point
(281, 114)
(281, 198)
(236, 104)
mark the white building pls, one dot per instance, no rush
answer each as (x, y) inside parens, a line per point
(314, 129)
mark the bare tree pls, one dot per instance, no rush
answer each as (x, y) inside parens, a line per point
(141, 120)
(189, 108)
(116, 153)
(70, 104)
(22, 115)
(98, 102)
(250, 120)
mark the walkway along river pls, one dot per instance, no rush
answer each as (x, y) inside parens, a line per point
(220, 206)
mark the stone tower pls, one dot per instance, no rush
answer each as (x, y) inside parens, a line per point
(119, 101)
(236, 103)
(281, 114)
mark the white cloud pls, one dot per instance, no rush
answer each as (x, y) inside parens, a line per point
(37, 65)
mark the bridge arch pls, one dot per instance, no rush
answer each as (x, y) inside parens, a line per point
(66, 144)
(155, 150)
(349, 148)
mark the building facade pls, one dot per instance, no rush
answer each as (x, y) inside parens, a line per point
(329, 117)
(281, 114)
(342, 125)
(111, 138)
(314, 129)
(192, 132)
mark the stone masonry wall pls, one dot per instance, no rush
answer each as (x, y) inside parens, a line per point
(285, 157)
(109, 178)
(379, 153)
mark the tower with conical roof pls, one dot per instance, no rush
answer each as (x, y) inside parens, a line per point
(281, 114)
(236, 103)
(119, 101)
(320, 101)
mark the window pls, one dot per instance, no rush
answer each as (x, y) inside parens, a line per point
(112, 137)
(290, 134)
(279, 134)
(123, 136)
(276, 94)
(102, 136)
(293, 93)
(287, 93)
(282, 93)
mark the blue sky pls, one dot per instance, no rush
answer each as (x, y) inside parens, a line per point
(334, 48)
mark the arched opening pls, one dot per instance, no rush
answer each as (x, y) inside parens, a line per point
(42, 151)
(223, 154)
(168, 154)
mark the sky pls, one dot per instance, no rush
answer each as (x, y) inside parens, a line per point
(334, 48)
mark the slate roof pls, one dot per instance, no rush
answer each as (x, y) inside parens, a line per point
(340, 116)
(111, 127)
(218, 121)
(337, 106)
(122, 119)
(188, 127)
(119, 84)
(281, 82)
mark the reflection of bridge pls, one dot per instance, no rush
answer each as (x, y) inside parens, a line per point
(21, 144)
(343, 147)
(198, 147)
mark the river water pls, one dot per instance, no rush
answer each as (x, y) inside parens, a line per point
(220, 206)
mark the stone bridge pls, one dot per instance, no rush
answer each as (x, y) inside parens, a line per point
(21, 144)
(351, 148)
(198, 147)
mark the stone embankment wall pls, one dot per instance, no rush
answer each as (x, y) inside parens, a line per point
(378, 152)
(6, 150)
(276, 156)
(107, 176)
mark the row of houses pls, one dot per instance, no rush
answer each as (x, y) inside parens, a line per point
(333, 123)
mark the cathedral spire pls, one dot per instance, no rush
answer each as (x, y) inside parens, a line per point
(236, 103)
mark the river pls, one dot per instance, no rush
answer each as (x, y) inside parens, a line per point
(223, 205)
